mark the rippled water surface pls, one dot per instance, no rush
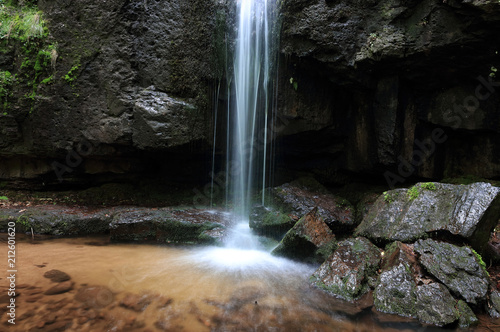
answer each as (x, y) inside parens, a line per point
(127, 287)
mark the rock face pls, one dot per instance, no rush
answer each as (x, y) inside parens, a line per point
(129, 78)
(364, 89)
(309, 239)
(407, 214)
(458, 268)
(355, 66)
(346, 272)
(299, 197)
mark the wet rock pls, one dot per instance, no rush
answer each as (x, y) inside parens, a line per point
(171, 226)
(136, 302)
(57, 220)
(161, 121)
(435, 305)
(408, 214)
(95, 296)
(466, 316)
(269, 222)
(60, 288)
(493, 305)
(395, 292)
(346, 272)
(458, 268)
(310, 239)
(299, 197)
(56, 276)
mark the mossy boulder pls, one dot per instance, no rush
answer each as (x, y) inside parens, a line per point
(459, 268)
(269, 222)
(309, 240)
(346, 273)
(470, 211)
(395, 292)
(435, 305)
(299, 197)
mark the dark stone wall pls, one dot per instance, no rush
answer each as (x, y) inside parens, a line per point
(362, 88)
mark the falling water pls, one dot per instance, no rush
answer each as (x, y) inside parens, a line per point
(248, 112)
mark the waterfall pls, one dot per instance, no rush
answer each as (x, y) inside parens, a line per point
(248, 113)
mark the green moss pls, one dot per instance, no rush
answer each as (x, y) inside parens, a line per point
(413, 193)
(23, 31)
(3, 198)
(429, 186)
(480, 261)
(327, 249)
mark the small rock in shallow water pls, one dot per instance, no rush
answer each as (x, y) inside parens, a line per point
(56, 276)
(136, 302)
(95, 296)
(60, 288)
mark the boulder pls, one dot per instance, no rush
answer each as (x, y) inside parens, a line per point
(435, 305)
(269, 222)
(493, 305)
(470, 211)
(310, 239)
(466, 316)
(299, 197)
(395, 292)
(346, 272)
(459, 268)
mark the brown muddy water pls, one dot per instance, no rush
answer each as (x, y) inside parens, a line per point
(129, 287)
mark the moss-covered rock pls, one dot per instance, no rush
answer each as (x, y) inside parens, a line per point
(395, 292)
(435, 305)
(459, 268)
(299, 197)
(269, 222)
(310, 239)
(466, 316)
(346, 272)
(408, 214)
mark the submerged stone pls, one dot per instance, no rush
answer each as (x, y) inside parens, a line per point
(408, 214)
(459, 268)
(56, 276)
(310, 239)
(346, 272)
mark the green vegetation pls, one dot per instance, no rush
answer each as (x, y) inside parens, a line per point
(3, 198)
(388, 197)
(23, 32)
(413, 193)
(72, 73)
(429, 186)
(480, 261)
